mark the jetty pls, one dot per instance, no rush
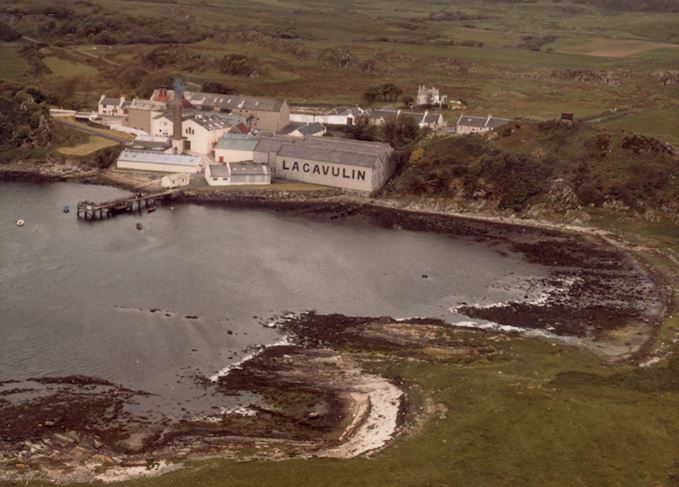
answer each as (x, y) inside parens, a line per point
(90, 210)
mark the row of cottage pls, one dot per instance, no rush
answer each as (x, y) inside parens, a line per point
(257, 113)
(248, 140)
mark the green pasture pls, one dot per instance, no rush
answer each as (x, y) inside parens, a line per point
(12, 65)
(68, 68)
(662, 123)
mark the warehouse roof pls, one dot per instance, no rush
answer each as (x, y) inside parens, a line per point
(219, 171)
(217, 121)
(338, 151)
(244, 142)
(151, 157)
(248, 169)
(272, 143)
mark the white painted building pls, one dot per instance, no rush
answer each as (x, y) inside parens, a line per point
(113, 106)
(200, 130)
(343, 163)
(237, 173)
(158, 162)
(348, 164)
(175, 180)
(430, 97)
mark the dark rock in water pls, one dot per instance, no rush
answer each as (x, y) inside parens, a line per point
(425, 276)
(191, 317)
(229, 332)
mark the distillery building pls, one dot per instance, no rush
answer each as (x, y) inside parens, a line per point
(348, 164)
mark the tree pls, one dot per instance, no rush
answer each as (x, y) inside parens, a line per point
(8, 34)
(408, 101)
(385, 91)
(363, 130)
(216, 87)
(399, 132)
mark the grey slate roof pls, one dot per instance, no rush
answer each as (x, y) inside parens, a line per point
(272, 143)
(219, 101)
(312, 129)
(481, 122)
(219, 171)
(109, 100)
(494, 123)
(303, 128)
(420, 117)
(216, 121)
(244, 142)
(147, 105)
(337, 151)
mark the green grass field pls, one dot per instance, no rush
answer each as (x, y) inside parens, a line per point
(12, 66)
(94, 144)
(67, 68)
(662, 123)
(412, 44)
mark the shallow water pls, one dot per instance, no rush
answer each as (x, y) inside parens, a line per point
(188, 294)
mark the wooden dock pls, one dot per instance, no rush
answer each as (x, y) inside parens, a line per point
(89, 210)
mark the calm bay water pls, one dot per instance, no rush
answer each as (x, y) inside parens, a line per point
(188, 293)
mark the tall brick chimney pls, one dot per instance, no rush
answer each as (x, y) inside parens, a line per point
(177, 138)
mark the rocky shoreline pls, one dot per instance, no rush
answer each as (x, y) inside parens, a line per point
(318, 398)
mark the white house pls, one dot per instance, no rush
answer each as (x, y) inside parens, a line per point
(336, 116)
(158, 161)
(237, 173)
(468, 124)
(430, 96)
(114, 106)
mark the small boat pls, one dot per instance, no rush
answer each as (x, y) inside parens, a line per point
(139, 226)
(67, 209)
(20, 222)
(151, 210)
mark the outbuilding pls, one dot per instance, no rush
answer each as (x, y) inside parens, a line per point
(237, 173)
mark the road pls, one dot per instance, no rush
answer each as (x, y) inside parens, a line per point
(92, 131)
(73, 51)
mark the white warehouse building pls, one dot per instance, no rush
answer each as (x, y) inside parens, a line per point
(342, 163)
(158, 161)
